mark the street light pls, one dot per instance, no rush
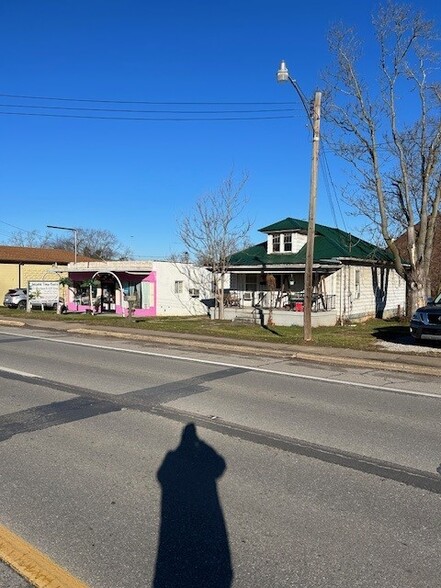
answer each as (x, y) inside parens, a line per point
(314, 119)
(75, 236)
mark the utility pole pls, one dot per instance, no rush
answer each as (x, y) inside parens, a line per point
(314, 120)
(307, 309)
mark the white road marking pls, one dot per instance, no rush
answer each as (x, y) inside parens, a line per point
(230, 365)
(18, 372)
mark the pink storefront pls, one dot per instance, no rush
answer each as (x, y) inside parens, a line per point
(117, 287)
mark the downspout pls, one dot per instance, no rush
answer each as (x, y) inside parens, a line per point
(340, 312)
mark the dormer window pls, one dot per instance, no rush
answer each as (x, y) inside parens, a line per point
(289, 242)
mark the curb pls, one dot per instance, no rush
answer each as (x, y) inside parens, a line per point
(207, 345)
(12, 323)
(210, 345)
(371, 363)
(404, 365)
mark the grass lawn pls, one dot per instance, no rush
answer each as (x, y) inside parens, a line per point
(362, 336)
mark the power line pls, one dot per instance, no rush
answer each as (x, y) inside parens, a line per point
(132, 110)
(146, 118)
(119, 101)
(14, 227)
(331, 189)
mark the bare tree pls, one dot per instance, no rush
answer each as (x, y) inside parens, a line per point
(216, 229)
(30, 239)
(96, 243)
(390, 132)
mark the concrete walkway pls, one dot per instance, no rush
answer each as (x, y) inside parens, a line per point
(419, 362)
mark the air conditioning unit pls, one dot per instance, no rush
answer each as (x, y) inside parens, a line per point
(247, 296)
(194, 292)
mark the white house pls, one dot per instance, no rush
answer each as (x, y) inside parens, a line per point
(353, 279)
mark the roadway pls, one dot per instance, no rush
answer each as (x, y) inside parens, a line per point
(321, 476)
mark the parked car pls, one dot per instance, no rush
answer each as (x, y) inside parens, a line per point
(16, 298)
(426, 321)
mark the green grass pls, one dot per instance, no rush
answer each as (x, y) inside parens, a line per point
(361, 336)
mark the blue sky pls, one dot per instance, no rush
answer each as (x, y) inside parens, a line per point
(136, 178)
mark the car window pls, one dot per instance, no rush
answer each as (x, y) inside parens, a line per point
(438, 299)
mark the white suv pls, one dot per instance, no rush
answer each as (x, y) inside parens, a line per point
(16, 298)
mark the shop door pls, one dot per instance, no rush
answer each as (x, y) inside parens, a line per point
(108, 297)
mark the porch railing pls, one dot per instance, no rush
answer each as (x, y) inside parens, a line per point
(285, 301)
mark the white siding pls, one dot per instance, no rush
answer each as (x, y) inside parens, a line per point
(298, 241)
(371, 296)
(170, 303)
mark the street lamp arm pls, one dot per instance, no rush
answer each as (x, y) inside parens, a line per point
(74, 231)
(283, 76)
(303, 100)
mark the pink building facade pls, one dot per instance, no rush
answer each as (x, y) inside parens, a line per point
(134, 288)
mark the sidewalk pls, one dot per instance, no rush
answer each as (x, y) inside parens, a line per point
(381, 360)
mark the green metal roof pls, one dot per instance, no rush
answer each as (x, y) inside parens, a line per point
(287, 224)
(329, 245)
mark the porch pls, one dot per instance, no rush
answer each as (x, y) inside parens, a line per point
(280, 317)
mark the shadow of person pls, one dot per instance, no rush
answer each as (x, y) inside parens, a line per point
(193, 549)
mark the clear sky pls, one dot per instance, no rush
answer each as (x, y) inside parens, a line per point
(136, 177)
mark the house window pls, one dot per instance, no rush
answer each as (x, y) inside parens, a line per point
(179, 287)
(276, 243)
(287, 243)
(250, 282)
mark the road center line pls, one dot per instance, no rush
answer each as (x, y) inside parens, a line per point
(232, 365)
(33, 565)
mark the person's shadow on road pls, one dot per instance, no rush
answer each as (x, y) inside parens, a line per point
(193, 550)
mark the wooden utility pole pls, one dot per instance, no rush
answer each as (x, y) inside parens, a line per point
(307, 308)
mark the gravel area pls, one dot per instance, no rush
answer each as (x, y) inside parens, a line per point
(408, 345)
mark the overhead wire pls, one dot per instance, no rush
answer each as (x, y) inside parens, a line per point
(144, 118)
(9, 234)
(132, 110)
(159, 110)
(331, 189)
(145, 102)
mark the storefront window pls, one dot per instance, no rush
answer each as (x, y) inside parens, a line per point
(133, 292)
(82, 292)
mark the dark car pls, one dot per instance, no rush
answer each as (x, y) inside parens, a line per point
(426, 321)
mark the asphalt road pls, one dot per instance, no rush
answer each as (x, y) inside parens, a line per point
(296, 476)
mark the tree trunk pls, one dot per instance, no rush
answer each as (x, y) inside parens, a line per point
(216, 296)
(417, 290)
(221, 297)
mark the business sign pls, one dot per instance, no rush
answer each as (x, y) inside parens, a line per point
(45, 293)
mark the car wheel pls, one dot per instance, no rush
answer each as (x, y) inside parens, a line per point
(21, 305)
